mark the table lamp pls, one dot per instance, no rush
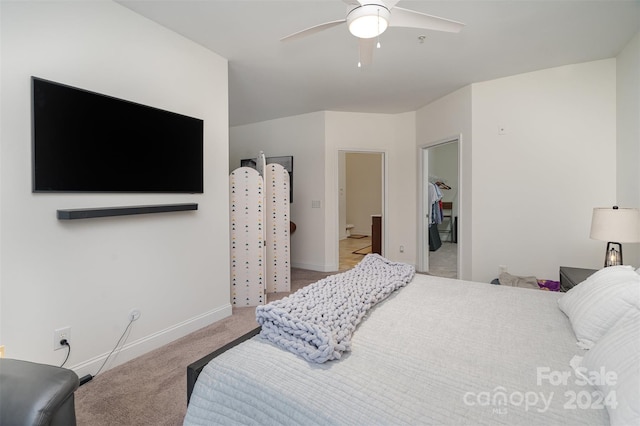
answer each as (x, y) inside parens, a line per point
(616, 226)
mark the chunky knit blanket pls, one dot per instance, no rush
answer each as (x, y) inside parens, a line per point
(317, 321)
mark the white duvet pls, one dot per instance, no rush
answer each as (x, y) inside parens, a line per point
(439, 351)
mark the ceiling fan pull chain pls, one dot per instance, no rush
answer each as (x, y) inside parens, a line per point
(378, 45)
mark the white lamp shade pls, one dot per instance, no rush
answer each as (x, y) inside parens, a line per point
(368, 21)
(616, 224)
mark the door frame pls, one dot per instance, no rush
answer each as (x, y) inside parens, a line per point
(422, 264)
(383, 153)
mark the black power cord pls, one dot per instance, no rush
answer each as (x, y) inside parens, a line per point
(65, 342)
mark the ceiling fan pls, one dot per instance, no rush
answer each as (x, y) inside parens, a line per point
(367, 19)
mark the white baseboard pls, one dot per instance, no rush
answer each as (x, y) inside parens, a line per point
(365, 233)
(153, 341)
(315, 267)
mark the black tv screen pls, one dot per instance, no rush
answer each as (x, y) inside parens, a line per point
(88, 142)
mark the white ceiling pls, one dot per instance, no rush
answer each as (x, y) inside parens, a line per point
(270, 79)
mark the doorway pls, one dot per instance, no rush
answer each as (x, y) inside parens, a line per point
(361, 196)
(438, 238)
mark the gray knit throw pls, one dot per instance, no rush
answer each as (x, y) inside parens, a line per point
(317, 321)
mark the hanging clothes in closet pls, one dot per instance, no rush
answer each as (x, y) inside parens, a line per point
(435, 216)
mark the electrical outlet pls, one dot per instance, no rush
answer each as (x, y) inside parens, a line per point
(134, 314)
(401, 249)
(61, 334)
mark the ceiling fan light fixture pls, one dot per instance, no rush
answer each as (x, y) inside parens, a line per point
(368, 21)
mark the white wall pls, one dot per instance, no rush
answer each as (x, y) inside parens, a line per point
(628, 137)
(88, 274)
(302, 137)
(394, 135)
(526, 196)
(342, 196)
(535, 186)
(363, 190)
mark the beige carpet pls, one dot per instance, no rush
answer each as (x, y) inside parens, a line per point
(152, 389)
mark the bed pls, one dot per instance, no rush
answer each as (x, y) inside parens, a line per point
(445, 351)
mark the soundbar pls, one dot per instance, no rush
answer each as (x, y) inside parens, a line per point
(71, 214)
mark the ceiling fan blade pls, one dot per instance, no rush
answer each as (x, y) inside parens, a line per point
(410, 18)
(366, 46)
(390, 4)
(312, 30)
(357, 2)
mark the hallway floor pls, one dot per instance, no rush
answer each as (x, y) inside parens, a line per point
(349, 245)
(442, 262)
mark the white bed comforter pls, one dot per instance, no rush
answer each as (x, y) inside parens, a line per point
(438, 351)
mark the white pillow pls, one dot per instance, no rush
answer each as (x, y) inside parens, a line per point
(613, 367)
(596, 304)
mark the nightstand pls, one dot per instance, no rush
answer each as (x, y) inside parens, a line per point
(571, 277)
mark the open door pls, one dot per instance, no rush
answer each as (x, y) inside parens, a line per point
(361, 189)
(439, 163)
(424, 211)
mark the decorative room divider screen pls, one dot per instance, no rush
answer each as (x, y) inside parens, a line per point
(260, 240)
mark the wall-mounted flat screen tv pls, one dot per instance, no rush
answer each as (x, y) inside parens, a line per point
(88, 142)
